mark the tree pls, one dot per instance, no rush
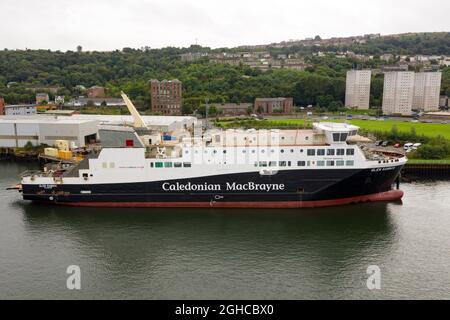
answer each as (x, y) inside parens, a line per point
(335, 106)
(186, 109)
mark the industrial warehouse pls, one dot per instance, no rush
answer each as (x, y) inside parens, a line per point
(80, 130)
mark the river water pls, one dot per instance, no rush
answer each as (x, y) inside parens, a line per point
(226, 254)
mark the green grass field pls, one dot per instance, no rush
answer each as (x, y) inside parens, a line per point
(428, 161)
(427, 129)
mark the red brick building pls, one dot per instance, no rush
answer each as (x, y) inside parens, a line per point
(273, 105)
(166, 97)
(96, 92)
(42, 98)
(2, 106)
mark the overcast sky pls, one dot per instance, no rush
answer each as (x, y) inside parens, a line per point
(114, 24)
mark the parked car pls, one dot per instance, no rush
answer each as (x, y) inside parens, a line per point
(378, 143)
(397, 145)
(408, 146)
(385, 143)
(416, 145)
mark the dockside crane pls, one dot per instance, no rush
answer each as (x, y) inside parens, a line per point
(138, 121)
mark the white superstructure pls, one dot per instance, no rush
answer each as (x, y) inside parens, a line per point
(226, 152)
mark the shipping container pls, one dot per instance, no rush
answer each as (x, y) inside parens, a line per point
(62, 145)
(66, 155)
(51, 152)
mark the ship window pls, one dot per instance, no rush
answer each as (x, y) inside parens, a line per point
(263, 151)
(330, 152)
(330, 163)
(344, 137)
(340, 163)
(320, 152)
(301, 150)
(272, 151)
(187, 165)
(301, 163)
(282, 150)
(350, 152)
(320, 163)
(289, 163)
(308, 163)
(112, 165)
(177, 164)
(272, 164)
(292, 150)
(340, 152)
(263, 164)
(85, 175)
(311, 152)
(282, 163)
(168, 164)
(159, 165)
(104, 165)
(256, 164)
(336, 137)
(350, 163)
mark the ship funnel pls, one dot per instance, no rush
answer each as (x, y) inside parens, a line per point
(138, 121)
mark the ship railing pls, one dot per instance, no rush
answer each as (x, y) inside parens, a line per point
(30, 173)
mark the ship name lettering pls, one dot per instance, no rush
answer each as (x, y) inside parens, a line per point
(251, 186)
(190, 187)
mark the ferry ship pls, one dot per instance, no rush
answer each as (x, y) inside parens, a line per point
(138, 167)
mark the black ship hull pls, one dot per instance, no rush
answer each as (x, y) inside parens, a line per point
(290, 189)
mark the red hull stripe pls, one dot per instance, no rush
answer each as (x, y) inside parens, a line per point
(392, 195)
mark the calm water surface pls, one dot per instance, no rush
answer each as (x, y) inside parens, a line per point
(226, 254)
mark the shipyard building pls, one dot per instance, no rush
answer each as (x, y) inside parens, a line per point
(80, 130)
(17, 132)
